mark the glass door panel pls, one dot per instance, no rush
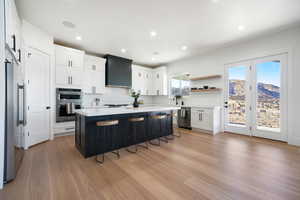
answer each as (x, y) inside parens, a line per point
(268, 96)
(237, 95)
(236, 98)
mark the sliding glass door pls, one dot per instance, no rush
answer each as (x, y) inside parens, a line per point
(255, 98)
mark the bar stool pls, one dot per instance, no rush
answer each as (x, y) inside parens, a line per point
(174, 114)
(105, 124)
(134, 123)
(160, 118)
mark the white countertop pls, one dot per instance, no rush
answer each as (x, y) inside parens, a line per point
(123, 110)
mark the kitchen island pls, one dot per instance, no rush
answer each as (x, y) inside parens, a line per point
(92, 140)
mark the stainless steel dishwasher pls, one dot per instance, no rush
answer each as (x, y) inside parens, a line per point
(184, 118)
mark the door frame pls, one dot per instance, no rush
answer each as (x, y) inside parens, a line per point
(26, 70)
(286, 72)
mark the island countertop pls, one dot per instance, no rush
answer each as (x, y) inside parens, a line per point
(123, 110)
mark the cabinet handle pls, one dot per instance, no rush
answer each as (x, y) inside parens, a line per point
(71, 80)
(157, 92)
(71, 63)
(68, 63)
(14, 43)
(94, 67)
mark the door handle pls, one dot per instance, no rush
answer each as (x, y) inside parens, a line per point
(14, 43)
(48, 107)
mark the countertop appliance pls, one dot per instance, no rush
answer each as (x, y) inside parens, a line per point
(15, 120)
(67, 101)
(184, 118)
(118, 72)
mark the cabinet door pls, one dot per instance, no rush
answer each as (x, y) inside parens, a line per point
(76, 59)
(88, 82)
(62, 57)
(148, 81)
(62, 76)
(202, 119)
(137, 79)
(158, 83)
(99, 78)
(76, 78)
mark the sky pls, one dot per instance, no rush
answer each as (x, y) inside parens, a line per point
(267, 72)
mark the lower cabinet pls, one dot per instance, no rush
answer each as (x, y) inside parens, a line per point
(206, 118)
(92, 140)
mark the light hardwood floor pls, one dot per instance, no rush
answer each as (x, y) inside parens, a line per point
(195, 166)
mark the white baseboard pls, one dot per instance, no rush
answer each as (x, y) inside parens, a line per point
(294, 141)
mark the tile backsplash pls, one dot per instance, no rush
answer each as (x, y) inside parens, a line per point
(112, 96)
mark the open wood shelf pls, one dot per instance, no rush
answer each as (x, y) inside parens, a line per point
(205, 77)
(207, 90)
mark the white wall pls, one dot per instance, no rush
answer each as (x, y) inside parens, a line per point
(213, 63)
(2, 91)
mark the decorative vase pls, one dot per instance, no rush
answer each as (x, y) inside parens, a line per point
(135, 103)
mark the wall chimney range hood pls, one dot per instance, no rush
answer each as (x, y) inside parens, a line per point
(118, 72)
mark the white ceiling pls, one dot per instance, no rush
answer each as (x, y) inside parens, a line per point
(110, 25)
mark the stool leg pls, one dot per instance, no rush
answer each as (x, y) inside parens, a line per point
(100, 161)
(155, 144)
(178, 135)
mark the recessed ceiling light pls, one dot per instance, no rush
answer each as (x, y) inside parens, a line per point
(78, 37)
(68, 24)
(241, 28)
(123, 50)
(184, 48)
(153, 33)
(215, 1)
(153, 59)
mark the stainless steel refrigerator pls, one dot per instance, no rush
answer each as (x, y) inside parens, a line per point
(14, 122)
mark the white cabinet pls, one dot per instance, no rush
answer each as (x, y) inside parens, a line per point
(206, 118)
(149, 81)
(138, 80)
(160, 81)
(69, 67)
(68, 57)
(94, 75)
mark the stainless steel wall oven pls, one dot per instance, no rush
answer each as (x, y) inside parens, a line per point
(67, 101)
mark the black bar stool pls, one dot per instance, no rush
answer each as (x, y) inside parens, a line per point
(133, 124)
(160, 129)
(112, 133)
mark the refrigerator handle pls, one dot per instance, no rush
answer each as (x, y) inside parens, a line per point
(18, 105)
(24, 106)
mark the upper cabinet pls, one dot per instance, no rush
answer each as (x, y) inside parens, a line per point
(13, 29)
(69, 67)
(68, 57)
(149, 81)
(94, 75)
(160, 81)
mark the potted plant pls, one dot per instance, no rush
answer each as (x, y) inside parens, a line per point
(136, 96)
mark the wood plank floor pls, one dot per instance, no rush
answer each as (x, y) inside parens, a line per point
(195, 166)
